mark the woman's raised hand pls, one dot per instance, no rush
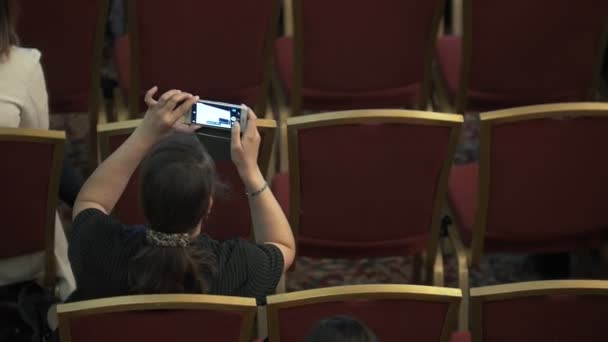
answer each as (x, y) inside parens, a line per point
(244, 151)
(163, 115)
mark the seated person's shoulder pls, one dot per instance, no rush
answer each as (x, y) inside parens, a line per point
(93, 223)
(24, 58)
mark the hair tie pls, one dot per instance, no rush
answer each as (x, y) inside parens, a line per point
(160, 239)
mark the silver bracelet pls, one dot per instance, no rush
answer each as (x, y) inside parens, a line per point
(255, 193)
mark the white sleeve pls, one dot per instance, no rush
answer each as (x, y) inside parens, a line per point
(35, 112)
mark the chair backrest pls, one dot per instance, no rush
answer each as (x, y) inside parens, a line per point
(557, 310)
(392, 312)
(542, 174)
(218, 50)
(69, 33)
(229, 216)
(158, 318)
(344, 47)
(531, 52)
(31, 169)
(369, 183)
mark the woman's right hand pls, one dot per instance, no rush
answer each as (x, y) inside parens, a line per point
(244, 151)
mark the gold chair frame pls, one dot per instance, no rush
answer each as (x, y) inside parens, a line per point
(433, 262)
(364, 292)
(247, 306)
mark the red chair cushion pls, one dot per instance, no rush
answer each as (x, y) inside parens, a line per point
(121, 62)
(449, 56)
(323, 99)
(461, 336)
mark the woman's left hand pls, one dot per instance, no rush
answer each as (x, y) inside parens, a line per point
(163, 116)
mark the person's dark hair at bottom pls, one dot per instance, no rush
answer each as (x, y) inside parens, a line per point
(341, 329)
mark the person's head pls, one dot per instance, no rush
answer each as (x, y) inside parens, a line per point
(341, 329)
(8, 23)
(177, 182)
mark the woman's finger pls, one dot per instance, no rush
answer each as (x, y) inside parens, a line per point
(149, 98)
(252, 128)
(185, 107)
(166, 96)
(174, 100)
(235, 141)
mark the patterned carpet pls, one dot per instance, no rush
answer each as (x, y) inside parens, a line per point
(314, 273)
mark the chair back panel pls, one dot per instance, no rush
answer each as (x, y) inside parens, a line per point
(547, 178)
(66, 32)
(26, 170)
(128, 208)
(368, 187)
(218, 49)
(535, 51)
(157, 326)
(375, 46)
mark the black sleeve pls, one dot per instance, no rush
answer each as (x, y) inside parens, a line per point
(249, 269)
(92, 240)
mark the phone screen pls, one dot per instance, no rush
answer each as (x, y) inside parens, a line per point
(215, 115)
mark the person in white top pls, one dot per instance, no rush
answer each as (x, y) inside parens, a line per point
(24, 103)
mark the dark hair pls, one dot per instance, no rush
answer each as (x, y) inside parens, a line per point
(8, 22)
(177, 182)
(341, 329)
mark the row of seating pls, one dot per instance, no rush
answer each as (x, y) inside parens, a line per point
(511, 53)
(572, 310)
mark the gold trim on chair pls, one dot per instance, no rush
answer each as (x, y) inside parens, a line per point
(481, 295)
(66, 312)
(57, 140)
(358, 292)
(294, 124)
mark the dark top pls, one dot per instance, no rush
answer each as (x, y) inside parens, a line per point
(100, 249)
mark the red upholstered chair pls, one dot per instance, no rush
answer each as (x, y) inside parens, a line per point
(393, 312)
(368, 183)
(520, 52)
(555, 311)
(158, 318)
(229, 217)
(358, 54)
(539, 186)
(69, 34)
(31, 167)
(216, 49)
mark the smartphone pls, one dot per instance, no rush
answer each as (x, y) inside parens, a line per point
(218, 114)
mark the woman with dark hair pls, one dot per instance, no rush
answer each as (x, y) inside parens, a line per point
(341, 329)
(171, 254)
(24, 104)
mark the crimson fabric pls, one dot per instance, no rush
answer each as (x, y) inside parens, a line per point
(548, 318)
(26, 170)
(374, 57)
(121, 61)
(370, 193)
(547, 56)
(461, 336)
(64, 31)
(128, 209)
(157, 326)
(423, 320)
(547, 186)
(280, 188)
(229, 217)
(315, 99)
(220, 51)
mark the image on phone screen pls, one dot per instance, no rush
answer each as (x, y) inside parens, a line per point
(215, 115)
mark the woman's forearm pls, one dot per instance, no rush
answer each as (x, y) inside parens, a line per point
(269, 222)
(105, 186)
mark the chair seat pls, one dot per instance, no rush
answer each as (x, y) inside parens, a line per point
(317, 99)
(449, 57)
(462, 194)
(321, 248)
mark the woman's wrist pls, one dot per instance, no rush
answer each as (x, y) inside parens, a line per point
(253, 180)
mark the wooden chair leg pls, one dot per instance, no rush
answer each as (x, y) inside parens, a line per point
(281, 286)
(438, 275)
(262, 322)
(417, 269)
(461, 254)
